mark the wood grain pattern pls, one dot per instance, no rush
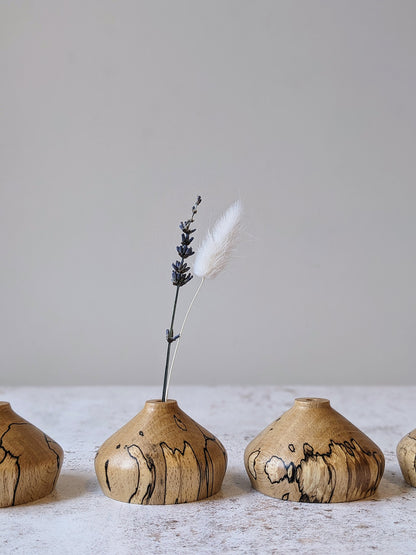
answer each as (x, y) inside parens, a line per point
(313, 454)
(406, 455)
(161, 457)
(30, 461)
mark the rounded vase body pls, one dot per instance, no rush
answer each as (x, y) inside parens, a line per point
(161, 457)
(406, 455)
(30, 461)
(313, 454)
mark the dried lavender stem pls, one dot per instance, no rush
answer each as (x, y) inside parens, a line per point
(181, 275)
(180, 333)
(170, 337)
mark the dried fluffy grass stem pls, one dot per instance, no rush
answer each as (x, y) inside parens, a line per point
(218, 246)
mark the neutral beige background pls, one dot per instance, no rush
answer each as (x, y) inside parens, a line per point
(116, 114)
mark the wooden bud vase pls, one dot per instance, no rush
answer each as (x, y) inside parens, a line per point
(406, 455)
(313, 454)
(161, 457)
(30, 461)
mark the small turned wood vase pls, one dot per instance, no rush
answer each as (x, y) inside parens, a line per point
(161, 457)
(313, 454)
(30, 461)
(406, 455)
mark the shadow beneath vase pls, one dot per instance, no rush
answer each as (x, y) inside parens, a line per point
(235, 484)
(69, 486)
(392, 485)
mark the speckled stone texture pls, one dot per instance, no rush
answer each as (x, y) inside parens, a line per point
(77, 518)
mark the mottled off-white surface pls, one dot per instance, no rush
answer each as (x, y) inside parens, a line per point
(78, 518)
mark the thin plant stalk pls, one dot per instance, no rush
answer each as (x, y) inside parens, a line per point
(180, 334)
(170, 341)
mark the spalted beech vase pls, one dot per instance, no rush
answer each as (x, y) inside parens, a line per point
(30, 461)
(406, 455)
(161, 457)
(314, 454)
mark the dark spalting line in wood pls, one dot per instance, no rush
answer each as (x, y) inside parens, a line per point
(15, 457)
(413, 439)
(177, 450)
(18, 471)
(210, 468)
(50, 441)
(179, 423)
(138, 471)
(291, 472)
(151, 487)
(290, 468)
(213, 439)
(148, 494)
(350, 451)
(174, 450)
(310, 455)
(107, 481)
(209, 472)
(353, 453)
(201, 478)
(151, 466)
(253, 471)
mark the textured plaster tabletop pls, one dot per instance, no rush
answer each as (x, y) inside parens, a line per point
(77, 518)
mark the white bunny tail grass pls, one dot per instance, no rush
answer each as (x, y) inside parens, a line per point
(219, 244)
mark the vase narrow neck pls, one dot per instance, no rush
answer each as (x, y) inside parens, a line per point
(312, 403)
(159, 406)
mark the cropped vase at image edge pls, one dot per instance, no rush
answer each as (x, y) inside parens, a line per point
(161, 457)
(406, 455)
(30, 461)
(313, 454)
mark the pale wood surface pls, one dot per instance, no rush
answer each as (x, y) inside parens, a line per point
(161, 457)
(77, 518)
(406, 455)
(311, 453)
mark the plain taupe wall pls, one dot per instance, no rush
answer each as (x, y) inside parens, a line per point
(116, 114)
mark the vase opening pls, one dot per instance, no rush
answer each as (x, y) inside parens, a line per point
(312, 402)
(159, 401)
